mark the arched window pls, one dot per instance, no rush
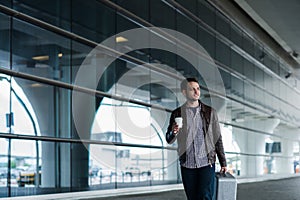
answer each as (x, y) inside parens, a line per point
(17, 117)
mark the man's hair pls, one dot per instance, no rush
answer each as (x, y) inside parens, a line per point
(184, 83)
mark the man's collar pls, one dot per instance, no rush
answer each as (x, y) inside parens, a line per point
(200, 104)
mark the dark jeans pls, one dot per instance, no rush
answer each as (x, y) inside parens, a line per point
(199, 183)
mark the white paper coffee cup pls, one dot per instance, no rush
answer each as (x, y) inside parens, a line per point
(178, 121)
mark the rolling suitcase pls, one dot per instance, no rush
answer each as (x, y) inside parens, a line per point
(225, 186)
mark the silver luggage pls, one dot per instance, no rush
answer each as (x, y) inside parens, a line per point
(226, 186)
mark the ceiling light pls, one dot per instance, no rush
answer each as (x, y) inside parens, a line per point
(60, 55)
(40, 58)
(121, 39)
(295, 54)
(238, 120)
(288, 75)
(36, 85)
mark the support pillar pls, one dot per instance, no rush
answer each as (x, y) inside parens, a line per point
(253, 143)
(285, 164)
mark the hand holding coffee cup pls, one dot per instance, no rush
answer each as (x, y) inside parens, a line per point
(178, 121)
(177, 125)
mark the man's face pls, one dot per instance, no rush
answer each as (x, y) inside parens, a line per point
(192, 93)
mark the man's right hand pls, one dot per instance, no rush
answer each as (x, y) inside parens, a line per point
(175, 129)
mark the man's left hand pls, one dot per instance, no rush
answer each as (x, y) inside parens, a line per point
(223, 169)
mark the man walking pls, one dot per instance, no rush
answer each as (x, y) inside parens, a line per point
(199, 141)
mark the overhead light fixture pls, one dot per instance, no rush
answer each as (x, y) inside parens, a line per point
(288, 75)
(121, 39)
(238, 120)
(45, 57)
(35, 85)
(295, 54)
(262, 56)
(40, 58)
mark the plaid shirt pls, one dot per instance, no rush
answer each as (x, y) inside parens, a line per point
(196, 155)
(211, 130)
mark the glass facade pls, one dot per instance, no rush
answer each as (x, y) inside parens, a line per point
(83, 107)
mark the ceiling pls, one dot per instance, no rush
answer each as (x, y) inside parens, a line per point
(280, 19)
(274, 22)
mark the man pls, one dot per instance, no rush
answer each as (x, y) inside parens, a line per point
(199, 140)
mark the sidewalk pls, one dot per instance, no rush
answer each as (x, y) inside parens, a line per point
(283, 189)
(280, 189)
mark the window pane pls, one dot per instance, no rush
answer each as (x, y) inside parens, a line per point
(4, 41)
(40, 53)
(6, 117)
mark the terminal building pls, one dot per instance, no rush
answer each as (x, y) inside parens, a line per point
(87, 88)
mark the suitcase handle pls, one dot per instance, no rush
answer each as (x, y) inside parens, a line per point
(224, 174)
